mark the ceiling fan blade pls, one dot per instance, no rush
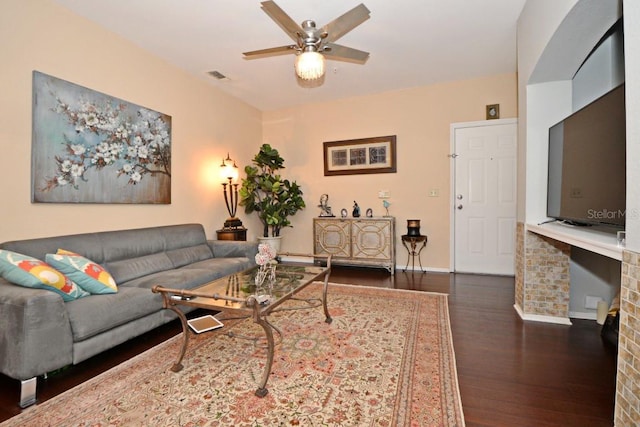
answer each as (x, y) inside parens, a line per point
(273, 51)
(346, 22)
(343, 53)
(282, 19)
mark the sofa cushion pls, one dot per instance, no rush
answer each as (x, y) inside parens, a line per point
(181, 278)
(86, 244)
(90, 276)
(221, 266)
(30, 272)
(135, 243)
(183, 236)
(183, 256)
(99, 313)
(128, 269)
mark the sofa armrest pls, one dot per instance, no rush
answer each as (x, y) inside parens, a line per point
(35, 333)
(230, 249)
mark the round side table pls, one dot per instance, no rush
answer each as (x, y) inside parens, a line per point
(237, 234)
(413, 247)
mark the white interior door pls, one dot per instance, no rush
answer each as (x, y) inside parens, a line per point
(484, 194)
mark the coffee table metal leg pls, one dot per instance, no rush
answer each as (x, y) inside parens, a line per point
(177, 366)
(262, 390)
(325, 289)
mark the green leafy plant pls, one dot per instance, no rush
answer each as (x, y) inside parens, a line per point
(264, 191)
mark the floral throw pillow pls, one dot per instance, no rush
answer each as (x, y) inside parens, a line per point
(90, 276)
(30, 272)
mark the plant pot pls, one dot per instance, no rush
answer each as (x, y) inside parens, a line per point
(274, 242)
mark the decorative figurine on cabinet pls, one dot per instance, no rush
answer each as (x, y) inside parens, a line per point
(325, 209)
(356, 210)
(386, 205)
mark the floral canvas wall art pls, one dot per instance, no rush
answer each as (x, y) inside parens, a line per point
(88, 147)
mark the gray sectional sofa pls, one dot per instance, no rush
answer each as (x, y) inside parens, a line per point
(40, 333)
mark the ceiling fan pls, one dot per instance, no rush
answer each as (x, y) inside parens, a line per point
(313, 44)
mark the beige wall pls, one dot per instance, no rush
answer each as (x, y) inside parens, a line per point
(39, 35)
(421, 118)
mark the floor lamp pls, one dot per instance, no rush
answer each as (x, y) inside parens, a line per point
(232, 229)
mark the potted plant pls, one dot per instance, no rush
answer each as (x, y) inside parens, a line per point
(264, 191)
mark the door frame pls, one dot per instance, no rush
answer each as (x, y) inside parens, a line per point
(452, 178)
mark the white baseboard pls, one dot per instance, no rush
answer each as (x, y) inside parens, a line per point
(541, 318)
(583, 315)
(309, 260)
(301, 259)
(425, 269)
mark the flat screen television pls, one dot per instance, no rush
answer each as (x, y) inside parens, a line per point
(587, 164)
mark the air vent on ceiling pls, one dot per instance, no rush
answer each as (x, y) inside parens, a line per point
(217, 74)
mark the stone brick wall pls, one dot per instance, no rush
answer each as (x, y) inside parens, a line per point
(519, 267)
(627, 412)
(546, 276)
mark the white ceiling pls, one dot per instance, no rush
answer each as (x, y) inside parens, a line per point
(411, 42)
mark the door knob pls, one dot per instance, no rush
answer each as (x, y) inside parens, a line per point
(459, 197)
(459, 206)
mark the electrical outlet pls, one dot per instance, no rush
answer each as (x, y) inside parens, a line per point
(591, 302)
(383, 194)
(434, 192)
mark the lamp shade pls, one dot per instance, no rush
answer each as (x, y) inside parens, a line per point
(228, 170)
(413, 227)
(310, 65)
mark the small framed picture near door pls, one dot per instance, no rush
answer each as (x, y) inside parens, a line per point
(360, 156)
(493, 111)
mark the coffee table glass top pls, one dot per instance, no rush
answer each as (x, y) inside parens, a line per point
(233, 291)
(238, 292)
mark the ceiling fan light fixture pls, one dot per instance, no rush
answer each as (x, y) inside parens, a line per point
(310, 65)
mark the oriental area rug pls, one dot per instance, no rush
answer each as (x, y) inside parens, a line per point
(387, 359)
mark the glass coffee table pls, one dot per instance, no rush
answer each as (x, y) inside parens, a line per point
(237, 296)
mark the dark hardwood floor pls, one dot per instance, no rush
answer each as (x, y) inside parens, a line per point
(511, 373)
